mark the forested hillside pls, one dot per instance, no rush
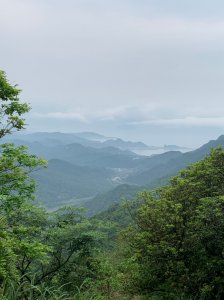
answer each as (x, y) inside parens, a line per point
(166, 243)
(78, 173)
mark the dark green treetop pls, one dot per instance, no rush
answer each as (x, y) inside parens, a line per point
(177, 241)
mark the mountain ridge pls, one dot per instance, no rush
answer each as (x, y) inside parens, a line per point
(98, 177)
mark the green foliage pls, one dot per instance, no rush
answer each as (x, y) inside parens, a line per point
(40, 253)
(178, 241)
(173, 249)
(52, 251)
(72, 241)
(103, 202)
(11, 109)
(7, 255)
(29, 291)
(16, 189)
(18, 244)
(16, 185)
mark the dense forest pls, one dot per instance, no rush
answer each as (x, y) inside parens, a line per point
(166, 243)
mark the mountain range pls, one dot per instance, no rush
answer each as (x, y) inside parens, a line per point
(90, 139)
(97, 177)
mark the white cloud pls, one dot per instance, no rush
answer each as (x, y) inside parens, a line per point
(85, 116)
(156, 115)
(113, 113)
(186, 121)
(130, 62)
(61, 116)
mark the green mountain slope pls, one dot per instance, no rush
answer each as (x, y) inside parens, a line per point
(165, 169)
(104, 200)
(161, 168)
(86, 176)
(63, 183)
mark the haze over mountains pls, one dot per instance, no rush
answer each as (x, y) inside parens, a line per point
(91, 170)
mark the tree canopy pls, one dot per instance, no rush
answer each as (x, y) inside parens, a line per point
(11, 108)
(178, 240)
(172, 249)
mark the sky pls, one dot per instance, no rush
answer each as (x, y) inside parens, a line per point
(149, 70)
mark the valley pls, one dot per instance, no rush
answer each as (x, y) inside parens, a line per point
(90, 170)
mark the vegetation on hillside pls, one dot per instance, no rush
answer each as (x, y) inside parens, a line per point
(167, 244)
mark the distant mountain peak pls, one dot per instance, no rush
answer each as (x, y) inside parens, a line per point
(221, 138)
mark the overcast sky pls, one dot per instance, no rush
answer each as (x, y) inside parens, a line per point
(150, 70)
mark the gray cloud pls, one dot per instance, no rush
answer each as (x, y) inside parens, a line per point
(187, 121)
(96, 63)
